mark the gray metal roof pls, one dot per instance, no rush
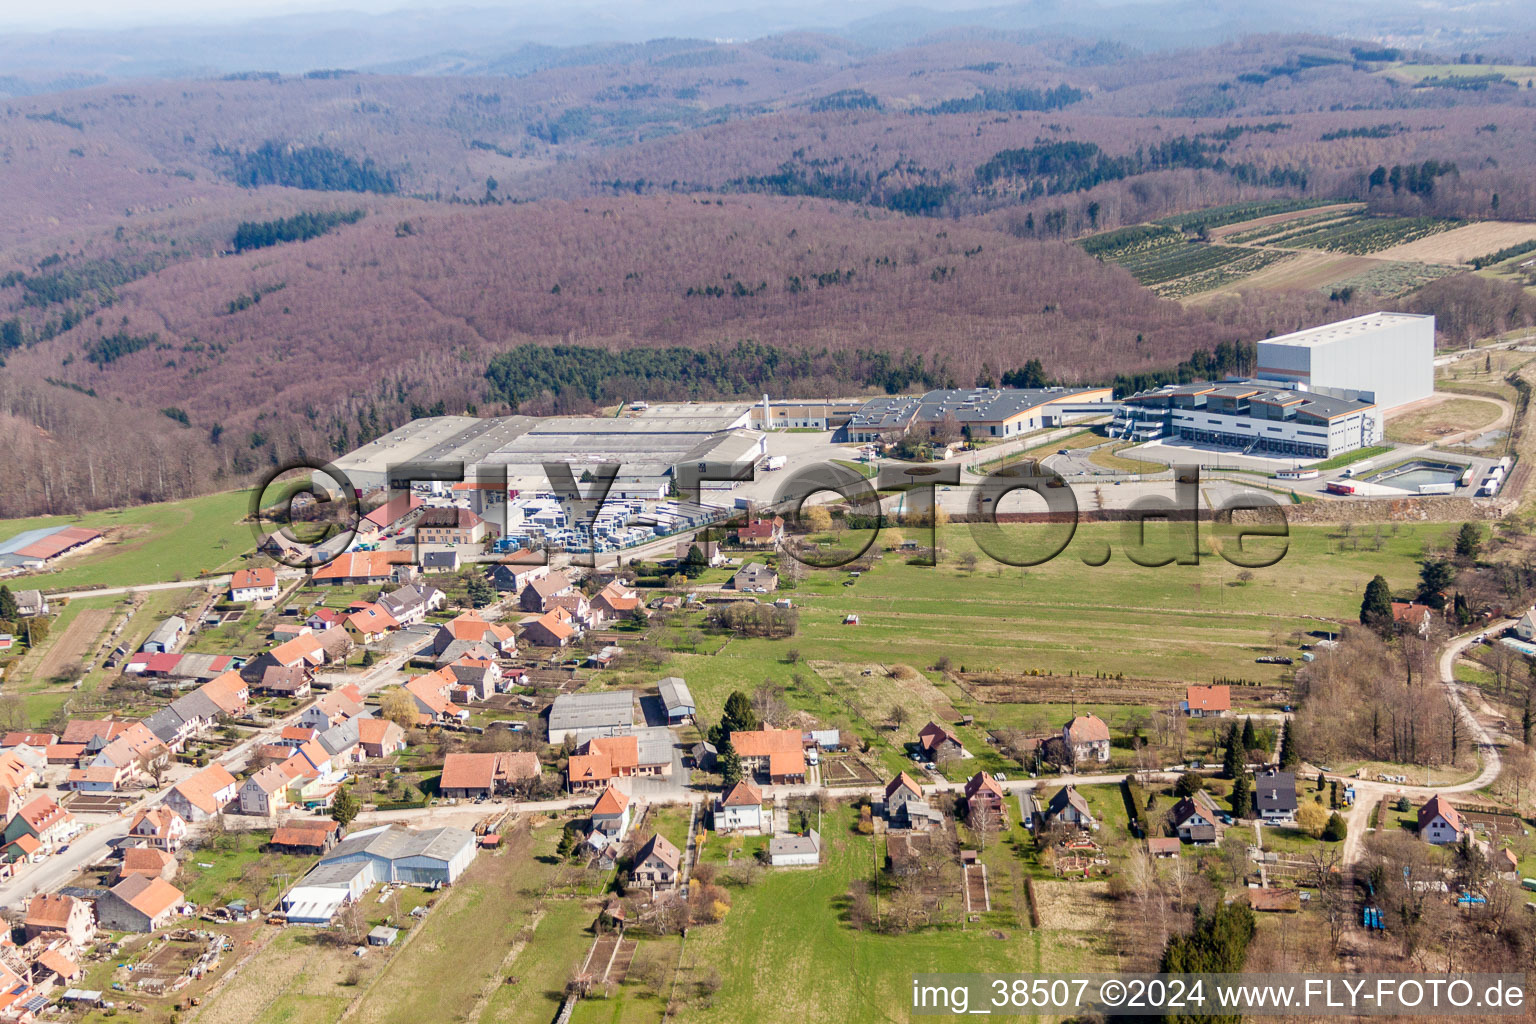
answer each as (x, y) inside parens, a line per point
(581, 711)
(674, 693)
(1275, 791)
(974, 405)
(395, 842)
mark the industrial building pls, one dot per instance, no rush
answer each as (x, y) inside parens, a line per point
(584, 715)
(1250, 416)
(1384, 358)
(978, 412)
(394, 853)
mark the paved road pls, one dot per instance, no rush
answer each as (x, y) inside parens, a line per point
(206, 581)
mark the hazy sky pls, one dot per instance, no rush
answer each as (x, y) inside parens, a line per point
(88, 14)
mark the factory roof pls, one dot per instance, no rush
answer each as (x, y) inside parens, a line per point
(1351, 328)
(576, 711)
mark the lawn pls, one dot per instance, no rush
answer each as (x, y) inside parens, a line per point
(788, 934)
(236, 866)
(152, 543)
(1449, 417)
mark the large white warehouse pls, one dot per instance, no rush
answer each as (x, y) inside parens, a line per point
(1386, 358)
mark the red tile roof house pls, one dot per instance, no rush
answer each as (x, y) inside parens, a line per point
(466, 776)
(159, 828)
(939, 743)
(535, 597)
(1207, 701)
(1415, 617)
(778, 753)
(1086, 738)
(367, 623)
(55, 913)
(44, 820)
(601, 759)
(761, 533)
(202, 796)
(141, 860)
(738, 808)
(379, 737)
(610, 815)
(253, 585)
(471, 627)
(1439, 822)
(982, 790)
(555, 628)
(433, 704)
(615, 602)
(138, 904)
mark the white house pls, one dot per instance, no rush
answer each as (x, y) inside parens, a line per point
(741, 807)
(1087, 737)
(1439, 822)
(253, 585)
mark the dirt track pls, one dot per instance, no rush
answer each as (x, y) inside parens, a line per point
(76, 642)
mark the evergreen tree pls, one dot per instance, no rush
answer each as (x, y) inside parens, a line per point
(345, 808)
(731, 771)
(694, 563)
(1250, 739)
(1435, 577)
(738, 715)
(1376, 607)
(1336, 829)
(480, 591)
(10, 611)
(1232, 759)
(1189, 784)
(1242, 795)
(1469, 541)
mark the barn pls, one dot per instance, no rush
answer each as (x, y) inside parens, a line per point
(408, 856)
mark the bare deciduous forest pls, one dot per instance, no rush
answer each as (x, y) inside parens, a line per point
(800, 193)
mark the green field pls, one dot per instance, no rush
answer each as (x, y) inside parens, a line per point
(160, 543)
(1173, 264)
(786, 935)
(1520, 74)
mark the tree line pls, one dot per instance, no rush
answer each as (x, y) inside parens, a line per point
(250, 234)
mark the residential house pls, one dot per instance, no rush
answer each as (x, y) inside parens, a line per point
(304, 650)
(676, 700)
(1440, 823)
(1068, 807)
(600, 760)
(1413, 617)
(96, 780)
(139, 904)
(983, 792)
(1195, 818)
(616, 602)
(57, 914)
(656, 864)
(740, 807)
(248, 585)
(379, 737)
(537, 595)
(433, 703)
(333, 708)
(1207, 701)
(292, 682)
(30, 603)
(777, 753)
(1162, 847)
(710, 549)
(1275, 796)
(795, 851)
(467, 776)
(472, 628)
(362, 568)
(446, 560)
(412, 603)
(451, 525)
(555, 628)
(40, 740)
(761, 533)
(265, 792)
(907, 807)
(203, 795)
(939, 743)
(368, 623)
(1525, 628)
(755, 577)
(43, 820)
(159, 828)
(141, 860)
(1086, 738)
(611, 813)
(511, 578)
(475, 679)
